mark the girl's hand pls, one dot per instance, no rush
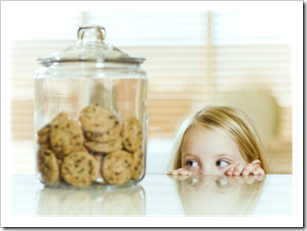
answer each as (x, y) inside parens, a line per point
(254, 168)
(180, 171)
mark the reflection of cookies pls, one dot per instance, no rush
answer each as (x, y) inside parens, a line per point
(97, 119)
(106, 147)
(78, 203)
(66, 137)
(109, 135)
(138, 200)
(138, 164)
(117, 203)
(79, 169)
(117, 167)
(132, 134)
(48, 166)
(50, 200)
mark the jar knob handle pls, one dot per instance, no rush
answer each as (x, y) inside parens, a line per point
(91, 33)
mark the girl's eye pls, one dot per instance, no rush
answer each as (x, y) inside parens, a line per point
(221, 163)
(192, 163)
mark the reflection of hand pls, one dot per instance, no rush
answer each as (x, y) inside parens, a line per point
(180, 171)
(245, 179)
(254, 168)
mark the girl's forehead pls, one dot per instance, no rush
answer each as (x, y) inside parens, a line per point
(200, 139)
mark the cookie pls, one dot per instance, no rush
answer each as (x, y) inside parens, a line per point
(44, 146)
(106, 147)
(47, 128)
(66, 137)
(132, 134)
(83, 149)
(43, 138)
(79, 169)
(138, 164)
(98, 159)
(117, 167)
(48, 166)
(97, 119)
(109, 135)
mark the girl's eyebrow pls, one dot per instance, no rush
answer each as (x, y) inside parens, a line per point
(191, 155)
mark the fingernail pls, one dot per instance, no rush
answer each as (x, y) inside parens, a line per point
(244, 173)
(174, 172)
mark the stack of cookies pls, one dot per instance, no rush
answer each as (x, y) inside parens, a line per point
(100, 149)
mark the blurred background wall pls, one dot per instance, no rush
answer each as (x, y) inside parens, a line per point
(192, 59)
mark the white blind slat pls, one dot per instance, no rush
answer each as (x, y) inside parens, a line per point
(246, 52)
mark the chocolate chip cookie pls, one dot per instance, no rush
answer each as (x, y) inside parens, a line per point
(109, 135)
(48, 166)
(132, 134)
(117, 167)
(98, 159)
(66, 137)
(138, 164)
(79, 169)
(43, 138)
(106, 147)
(47, 128)
(97, 119)
(45, 146)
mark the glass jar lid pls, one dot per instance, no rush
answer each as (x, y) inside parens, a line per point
(90, 48)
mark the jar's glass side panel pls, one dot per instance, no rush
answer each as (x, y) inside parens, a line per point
(124, 93)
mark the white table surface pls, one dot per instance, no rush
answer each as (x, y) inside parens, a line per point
(157, 195)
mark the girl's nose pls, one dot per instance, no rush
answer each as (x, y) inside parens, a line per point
(206, 170)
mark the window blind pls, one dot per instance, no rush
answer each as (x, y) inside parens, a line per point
(174, 45)
(191, 60)
(252, 51)
(134, 29)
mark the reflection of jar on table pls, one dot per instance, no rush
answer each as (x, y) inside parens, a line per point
(124, 201)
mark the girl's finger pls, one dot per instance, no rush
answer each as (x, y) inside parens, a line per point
(182, 171)
(258, 171)
(173, 172)
(229, 171)
(256, 163)
(238, 169)
(248, 169)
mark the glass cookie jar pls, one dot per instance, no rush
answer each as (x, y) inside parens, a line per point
(90, 115)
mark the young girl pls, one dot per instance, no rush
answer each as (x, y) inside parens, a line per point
(216, 141)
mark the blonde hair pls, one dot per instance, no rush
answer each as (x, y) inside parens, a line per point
(231, 120)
